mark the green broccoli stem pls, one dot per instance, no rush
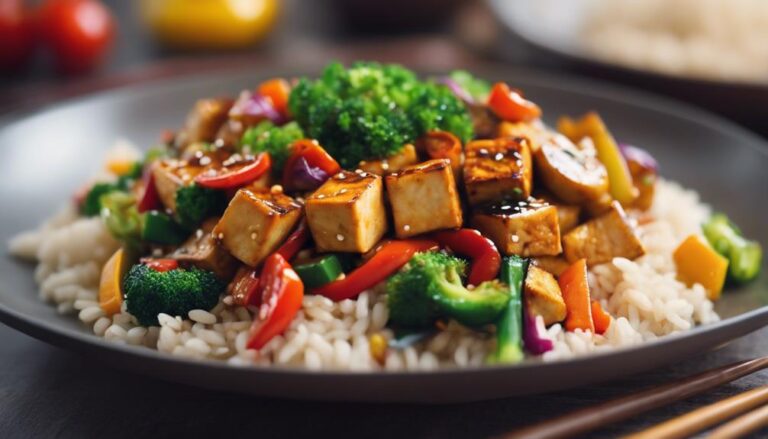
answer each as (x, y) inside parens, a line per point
(509, 328)
(475, 307)
(744, 256)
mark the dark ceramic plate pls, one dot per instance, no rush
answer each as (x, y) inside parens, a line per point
(47, 155)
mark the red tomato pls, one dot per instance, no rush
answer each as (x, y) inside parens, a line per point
(78, 32)
(161, 265)
(510, 104)
(17, 40)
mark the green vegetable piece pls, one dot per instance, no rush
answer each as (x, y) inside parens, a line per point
(121, 217)
(174, 292)
(92, 203)
(195, 203)
(160, 228)
(370, 110)
(319, 272)
(277, 141)
(745, 257)
(478, 88)
(509, 327)
(429, 287)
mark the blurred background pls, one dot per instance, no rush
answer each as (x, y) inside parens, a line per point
(712, 53)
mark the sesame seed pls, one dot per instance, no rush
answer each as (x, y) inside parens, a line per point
(515, 238)
(254, 235)
(221, 235)
(340, 176)
(276, 189)
(199, 233)
(342, 191)
(320, 196)
(205, 161)
(384, 165)
(339, 237)
(406, 227)
(498, 156)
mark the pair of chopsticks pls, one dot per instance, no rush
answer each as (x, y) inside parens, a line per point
(591, 418)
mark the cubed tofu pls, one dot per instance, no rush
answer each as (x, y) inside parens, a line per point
(497, 169)
(204, 252)
(406, 157)
(424, 198)
(534, 131)
(601, 239)
(170, 175)
(542, 295)
(256, 223)
(567, 214)
(484, 120)
(525, 228)
(346, 213)
(553, 264)
(205, 119)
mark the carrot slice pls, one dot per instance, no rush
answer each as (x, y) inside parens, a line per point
(575, 289)
(600, 318)
(277, 90)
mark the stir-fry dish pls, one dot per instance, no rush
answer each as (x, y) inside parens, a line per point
(370, 219)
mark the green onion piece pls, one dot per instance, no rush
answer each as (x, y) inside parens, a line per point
(509, 328)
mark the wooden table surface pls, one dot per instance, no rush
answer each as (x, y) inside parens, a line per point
(47, 392)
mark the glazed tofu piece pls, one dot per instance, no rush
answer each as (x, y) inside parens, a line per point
(406, 157)
(205, 119)
(534, 131)
(567, 214)
(346, 213)
(553, 264)
(497, 169)
(601, 239)
(202, 251)
(542, 295)
(170, 175)
(256, 223)
(524, 228)
(424, 198)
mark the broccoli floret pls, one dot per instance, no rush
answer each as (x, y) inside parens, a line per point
(429, 286)
(195, 203)
(745, 257)
(276, 140)
(174, 292)
(370, 110)
(121, 216)
(478, 88)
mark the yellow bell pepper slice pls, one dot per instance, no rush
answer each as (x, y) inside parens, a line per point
(698, 263)
(111, 282)
(619, 177)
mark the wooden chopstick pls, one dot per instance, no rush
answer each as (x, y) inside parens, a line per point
(587, 419)
(742, 425)
(699, 419)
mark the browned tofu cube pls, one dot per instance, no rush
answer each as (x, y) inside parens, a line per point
(346, 213)
(205, 119)
(497, 169)
(406, 157)
(567, 214)
(543, 296)
(256, 223)
(170, 175)
(525, 228)
(553, 264)
(534, 131)
(601, 239)
(424, 198)
(204, 252)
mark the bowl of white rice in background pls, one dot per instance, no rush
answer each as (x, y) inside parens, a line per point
(324, 354)
(713, 53)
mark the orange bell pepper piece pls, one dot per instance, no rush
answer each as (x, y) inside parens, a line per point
(600, 318)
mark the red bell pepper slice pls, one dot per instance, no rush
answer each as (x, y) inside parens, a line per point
(277, 90)
(510, 104)
(315, 156)
(295, 241)
(390, 257)
(238, 177)
(281, 295)
(150, 199)
(161, 265)
(486, 259)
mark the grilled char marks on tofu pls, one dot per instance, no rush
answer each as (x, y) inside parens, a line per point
(603, 238)
(204, 252)
(424, 198)
(346, 213)
(497, 169)
(573, 173)
(543, 296)
(524, 228)
(256, 223)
